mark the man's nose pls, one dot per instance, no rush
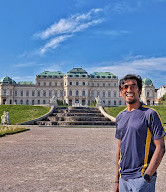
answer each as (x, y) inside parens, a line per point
(129, 89)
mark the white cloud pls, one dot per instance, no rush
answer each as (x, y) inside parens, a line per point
(153, 66)
(70, 25)
(66, 28)
(54, 43)
(113, 32)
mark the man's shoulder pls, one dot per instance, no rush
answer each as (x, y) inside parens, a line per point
(148, 109)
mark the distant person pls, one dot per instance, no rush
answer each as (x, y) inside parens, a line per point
(141, 145)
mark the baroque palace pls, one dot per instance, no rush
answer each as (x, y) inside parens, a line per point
(77, 86)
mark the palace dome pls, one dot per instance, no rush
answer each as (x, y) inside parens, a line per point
(7, 80)
(147, 82)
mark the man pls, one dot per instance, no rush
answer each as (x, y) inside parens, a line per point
(141, 145)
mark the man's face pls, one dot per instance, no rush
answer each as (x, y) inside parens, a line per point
(130, 91)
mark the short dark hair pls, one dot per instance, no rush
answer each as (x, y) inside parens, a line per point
(131, 76)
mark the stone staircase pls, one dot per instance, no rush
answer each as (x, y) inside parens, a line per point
(72, 116)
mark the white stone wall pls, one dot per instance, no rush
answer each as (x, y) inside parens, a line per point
(161, 91)
(148, 95)
(83, 90)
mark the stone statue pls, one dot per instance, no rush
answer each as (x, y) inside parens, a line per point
(5, 118)
(98, 100)
(53, 101)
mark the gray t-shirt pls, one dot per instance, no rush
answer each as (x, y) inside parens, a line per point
(137, 129)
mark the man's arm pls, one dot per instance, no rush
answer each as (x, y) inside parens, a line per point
(117, 167)
(157, 156)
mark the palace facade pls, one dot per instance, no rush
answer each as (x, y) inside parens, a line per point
(77, 86)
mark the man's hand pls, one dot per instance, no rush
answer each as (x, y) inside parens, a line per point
(116, 189)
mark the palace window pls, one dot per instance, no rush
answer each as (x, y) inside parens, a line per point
(27, 102)
(83, 93)
(15, 93)
(114, 93)
(83, 83)
(33, 93)
(103, 93)
(77, 83)
(21, 93)
(148, 94)
(44, 93)
(27, 93)
(109, 93)
(70, 93)
(77, 93)
(70, 83)
(38, 93)
(50, 93)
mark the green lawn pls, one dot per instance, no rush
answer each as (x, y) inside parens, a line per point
(22, 113)
(8, 130)
(115, 110)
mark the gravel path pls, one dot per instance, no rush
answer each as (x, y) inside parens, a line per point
(48, 159)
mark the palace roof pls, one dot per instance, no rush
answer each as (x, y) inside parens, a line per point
(7, 80)
(147, 82)
(51, 74)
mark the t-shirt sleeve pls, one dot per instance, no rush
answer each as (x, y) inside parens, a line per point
(156, 125)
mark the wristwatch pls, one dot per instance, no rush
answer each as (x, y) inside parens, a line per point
(147, 178)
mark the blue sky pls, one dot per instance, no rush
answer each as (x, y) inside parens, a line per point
(100, 35)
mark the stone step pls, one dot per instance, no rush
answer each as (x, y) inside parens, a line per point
(85, 123)
(77, 118)
(85, 114)
(80, 118)
(78, 114)
(66, 123)
(82, 111)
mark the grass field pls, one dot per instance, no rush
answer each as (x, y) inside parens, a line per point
(115, 110)
(22, 113)
(8, 130)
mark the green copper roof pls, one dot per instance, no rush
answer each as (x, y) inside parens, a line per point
(103, 74)
(51, 74)
(147, 82)
(7, 80)
(25, 83)
(77, 71)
